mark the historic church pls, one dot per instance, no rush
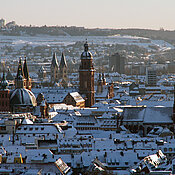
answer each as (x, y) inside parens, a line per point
(21, 99)
(59, 71)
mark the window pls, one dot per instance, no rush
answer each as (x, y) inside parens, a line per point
(126, 163)
(165, 149)
(170, 149)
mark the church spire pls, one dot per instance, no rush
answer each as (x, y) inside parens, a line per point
(25, 70)
(54, 69)
(19, 71)
(19, 80)
(63, 61)
(54, 60)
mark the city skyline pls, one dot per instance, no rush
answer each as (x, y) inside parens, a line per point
(151, 14)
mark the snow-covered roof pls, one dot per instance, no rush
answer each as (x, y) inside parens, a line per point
(77, 97)
(38, 129)
(27, 121)
(148, 114)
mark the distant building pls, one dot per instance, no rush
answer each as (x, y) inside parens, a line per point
(41, 73)
(2, 22)
(4, 95)
(100, 84)
(74, 99)
(117, 63)
(143, 119)
(151, 76)
(11, 24)
(63, 67)
(86, 77)
(54, 69)
(9, 75)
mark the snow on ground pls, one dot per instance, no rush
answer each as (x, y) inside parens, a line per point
(19, 41)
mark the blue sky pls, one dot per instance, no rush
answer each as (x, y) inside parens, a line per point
(151, 14)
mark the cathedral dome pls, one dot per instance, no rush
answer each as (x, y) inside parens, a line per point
(21, 96)
(86, 54)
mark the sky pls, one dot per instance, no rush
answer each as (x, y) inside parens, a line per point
(149, 14)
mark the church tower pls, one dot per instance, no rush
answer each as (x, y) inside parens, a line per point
(19, 80)
(63, 68)
(4, 94)
(27, 79)
(54, 69)
(100, 84)
(86, 77)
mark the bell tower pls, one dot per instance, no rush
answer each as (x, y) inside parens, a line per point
(4, 94)
(54, 69)
(86, 76)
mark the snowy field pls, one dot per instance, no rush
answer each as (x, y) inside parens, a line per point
(17, 42)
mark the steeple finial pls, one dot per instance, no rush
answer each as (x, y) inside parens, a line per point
(86, 45)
